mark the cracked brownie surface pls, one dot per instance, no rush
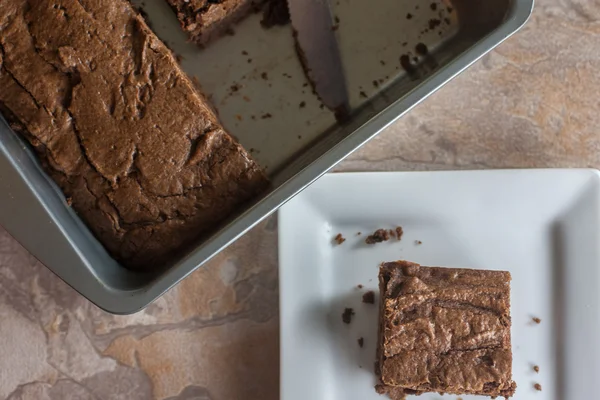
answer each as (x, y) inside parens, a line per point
(136, 149)
(444, 330)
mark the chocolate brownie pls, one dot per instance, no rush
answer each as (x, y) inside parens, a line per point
(444, 330)
(205, 20)
(119, 127)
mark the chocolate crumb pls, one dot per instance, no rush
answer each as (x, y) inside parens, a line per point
(339, 239)
(536, 369)
(264, 76)
(336, 19)
(302, 104)
(69, 201)
(266, 116)
(538, 387)
(434, 23)
(380, 235)
(361, 342)
(275, 12)
(399, 232)
(347, 315)
(363, 94)
(358, 233)
(409, 16)
(375, 83)
(234, 88)
(421, 49)
(406, 64)
(359, 286)
(536, 320)
(369, 297)
(433, 6)
(418, 242)
(244, 53)
(381, 62)
(392, 233)
(249, 61)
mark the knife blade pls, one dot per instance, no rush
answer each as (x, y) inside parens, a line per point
(318, 50)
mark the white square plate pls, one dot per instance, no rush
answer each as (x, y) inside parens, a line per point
(541, 225)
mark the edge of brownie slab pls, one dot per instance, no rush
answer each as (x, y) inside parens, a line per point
(399, 281)
(133, 145)
(206, 20)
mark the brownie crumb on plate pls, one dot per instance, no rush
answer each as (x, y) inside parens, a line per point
(536, 369)
(347, 315)
(399, 232)
(339, 239)
(369, 297)
(468, 352)
(537, 387)
(380, 235)
(536, 320)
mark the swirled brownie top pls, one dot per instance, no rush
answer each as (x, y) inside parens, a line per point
(444, 330)
(136, 149)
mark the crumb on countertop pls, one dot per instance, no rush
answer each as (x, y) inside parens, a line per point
(536, 320)
(359, 286)
(536, 369)
(361, 342)
(347, 315)
(369, 297)
(537, 387)
(339, 239)
(418, 242)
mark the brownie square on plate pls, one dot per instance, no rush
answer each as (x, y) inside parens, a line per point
(444, 330)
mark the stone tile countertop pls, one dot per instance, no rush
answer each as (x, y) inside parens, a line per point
(533, 102)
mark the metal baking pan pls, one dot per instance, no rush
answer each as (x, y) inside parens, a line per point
(256, 83)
